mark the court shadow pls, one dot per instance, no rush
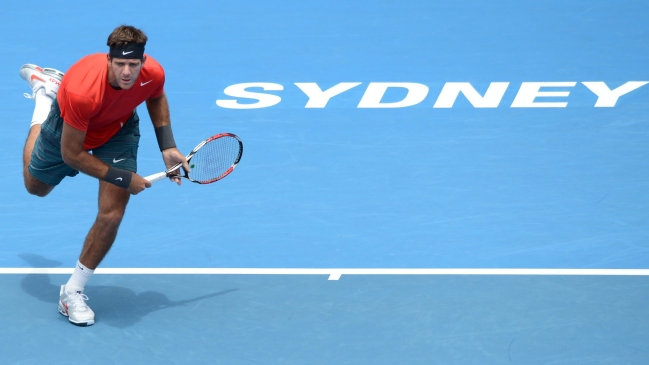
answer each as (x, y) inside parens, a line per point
(114, 306)
(121, 307)
(40, 286)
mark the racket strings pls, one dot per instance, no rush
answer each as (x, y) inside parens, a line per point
(214, 160)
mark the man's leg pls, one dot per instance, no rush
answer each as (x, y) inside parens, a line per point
(44, 83)
(121, 152)
(112, 205)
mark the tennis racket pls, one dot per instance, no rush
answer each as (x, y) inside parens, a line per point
(210, 161)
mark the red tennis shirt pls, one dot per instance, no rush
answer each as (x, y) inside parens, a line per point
(88, 102)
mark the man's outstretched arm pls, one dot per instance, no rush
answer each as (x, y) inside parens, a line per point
(79, 159)
(159, 112)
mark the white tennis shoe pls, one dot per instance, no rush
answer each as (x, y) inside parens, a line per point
(73, 305)
(37, 78)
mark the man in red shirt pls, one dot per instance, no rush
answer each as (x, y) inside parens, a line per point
(86, 121)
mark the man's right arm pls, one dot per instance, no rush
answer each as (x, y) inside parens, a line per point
(76, 157)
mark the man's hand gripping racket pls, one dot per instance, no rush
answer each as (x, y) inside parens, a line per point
(210, 161)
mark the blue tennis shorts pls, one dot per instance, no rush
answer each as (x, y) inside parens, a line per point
(47, 163)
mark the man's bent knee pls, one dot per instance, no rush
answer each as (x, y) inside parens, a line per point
(37, 187)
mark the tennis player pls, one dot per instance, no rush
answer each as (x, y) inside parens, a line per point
(86, 121)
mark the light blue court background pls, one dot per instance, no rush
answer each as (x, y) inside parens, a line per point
(343, 187)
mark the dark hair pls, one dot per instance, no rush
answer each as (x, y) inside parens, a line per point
(126, 34)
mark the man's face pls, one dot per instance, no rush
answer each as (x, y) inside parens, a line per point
(124, 71)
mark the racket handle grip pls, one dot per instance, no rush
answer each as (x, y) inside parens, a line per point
(156, 177)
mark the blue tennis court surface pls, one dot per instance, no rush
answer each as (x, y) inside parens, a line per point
(358, 320)
(470, 135)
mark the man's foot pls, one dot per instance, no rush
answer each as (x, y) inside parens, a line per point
(37, 78)
(73, 305)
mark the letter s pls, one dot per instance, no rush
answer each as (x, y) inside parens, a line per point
(239, 91)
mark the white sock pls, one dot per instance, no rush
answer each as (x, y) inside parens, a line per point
(42, 107)
(79, 278)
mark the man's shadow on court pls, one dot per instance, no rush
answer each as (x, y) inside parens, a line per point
(113, 305)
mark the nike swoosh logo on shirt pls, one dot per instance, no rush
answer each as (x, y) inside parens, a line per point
(116, 161)
(144, 83)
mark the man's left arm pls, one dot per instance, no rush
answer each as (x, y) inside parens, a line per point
(159, 112)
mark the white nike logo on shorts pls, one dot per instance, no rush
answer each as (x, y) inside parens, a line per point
(116, 161)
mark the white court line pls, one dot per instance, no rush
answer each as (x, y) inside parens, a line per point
(334, 273)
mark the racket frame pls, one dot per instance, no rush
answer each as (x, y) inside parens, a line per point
(168, 173)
